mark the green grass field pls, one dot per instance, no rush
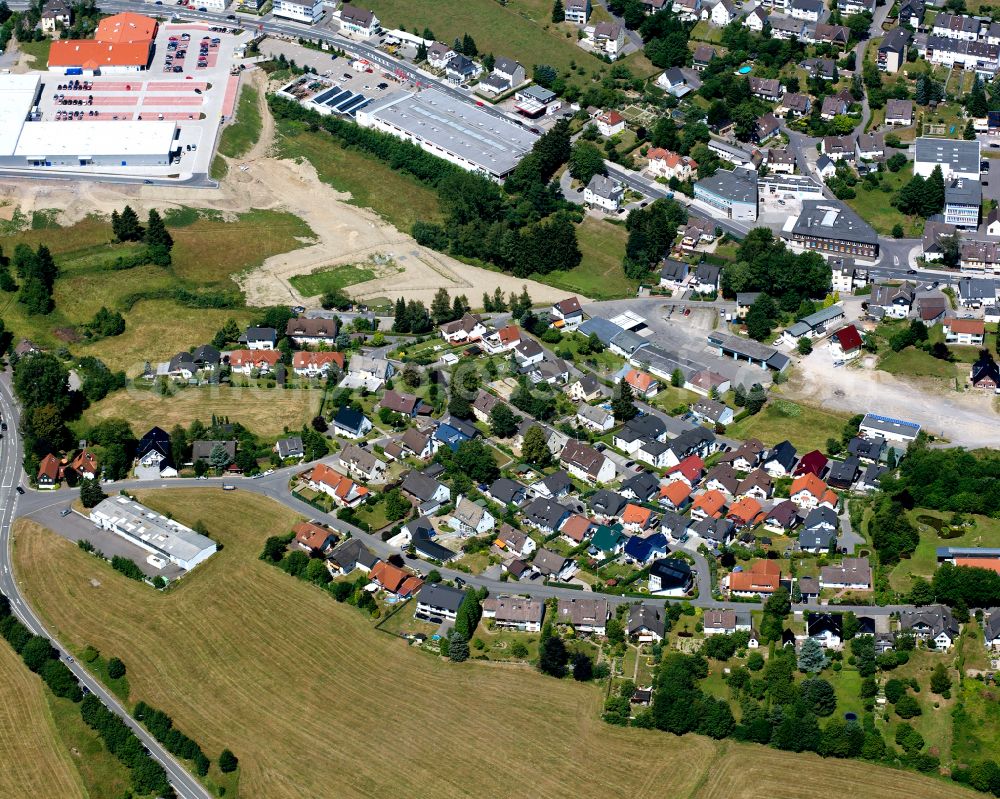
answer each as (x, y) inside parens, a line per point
(600, 274)
(916, 363)
(329, 279)
(274, 665)
(207, 252)
(40, 50)
(398, 198)
(242, 133)
(874, 205)
(807, 429)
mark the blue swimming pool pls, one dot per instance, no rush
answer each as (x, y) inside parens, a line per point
(744, 70)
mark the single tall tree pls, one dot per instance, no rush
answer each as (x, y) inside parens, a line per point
(558, 12)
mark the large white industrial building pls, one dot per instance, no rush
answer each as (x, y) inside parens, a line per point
(451, 129)
(153, 532)
(25, 142)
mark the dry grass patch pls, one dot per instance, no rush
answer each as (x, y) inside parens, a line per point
(35, 761)
(241, 655)
(744, 771)
(267, 412)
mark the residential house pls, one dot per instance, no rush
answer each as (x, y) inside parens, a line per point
(644, 550)
(846, 343)
(361, 464)
(85, 465)
(892, 50)
(418, 444)
(688, 469)
(642, 487)
(306, 332)
(726, 622)
(956, 26)
(745, 512)
(899, 112)
(867, 450)
(636, 519)
(50, 472)
(202, 451)
(567, 311)
(587, 389)
(577, 11)
(610, 123)
(766, 88)
(781, 161)
(833, 106)
(668, 164)
(807, 491)
(819, 530)
(609, 38)
(722, 477)
(606, 505)
(675, 495)
(553, 566)
(344, 491)
(316, 364)
(756, 20)
(762, 579)
(290, 447)
(515, 613)
(962, 201)
(931, 623)
(836, 35)
(706, 279)
(608, 541)
(637, 430)
(827, 629)
(358, 22)
(555, 486)
(644, 385)
(708, 504)
(472, 518)
(260, 338)
(782, 518)
(505, 491)
(746, 456)
(394, 580)
(546, 515)
(786, 27)
(813, 462)
(586, 463)
(350, 555)
(516, 541)
(869, 146)
(712, 412)
(822, 68)
(153, 455)
(837, 148)
(436, 601)
(674, 82)
(461, 69)
(780, 460)
(646, 623)
(670, 577)
(766, 127)
(584, 615)
(911, 13)
(985, 374)
(703, 55)
(502, 340)
(312, 537)
(56, 14)
(576, 529)
(438, 55)
(595, 418)
(368, 371)
(528, 352)
(853, 573)
(351, 423)
(964, 332)
(757, 484)
(794, 104)
(466, 330)
(401, 403)
(605, 193)
(895, 299)
(247, 362)
(723, 12)
(807, 10)
(428, 493)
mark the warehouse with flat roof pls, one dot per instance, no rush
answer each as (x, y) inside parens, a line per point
(153, 532)
(451, 129)
(82, 143)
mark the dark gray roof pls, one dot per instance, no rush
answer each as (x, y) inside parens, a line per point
(831, 219)
(961, 155)
(963, 191)
(558, 482)
(441, 596)
(895, 40)
(820, 517)
(816, 539)
(349, 418)
(642, 485)
(739, 185)
(505, 490)
(420, 485)
(261, 334)
(607, 503)
(648, 617)
(545, 513)
(783, 453)
(351, 553)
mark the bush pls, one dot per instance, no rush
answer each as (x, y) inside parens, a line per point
(907, 707)
(227, 762)
(116, 668)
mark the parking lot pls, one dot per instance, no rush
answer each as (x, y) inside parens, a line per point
(188, 82)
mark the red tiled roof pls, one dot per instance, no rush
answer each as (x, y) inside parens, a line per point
(849, 338)
(973, 327)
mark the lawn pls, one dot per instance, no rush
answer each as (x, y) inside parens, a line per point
(267, 412)
(244, 131)
(398, 198)
(324, 280)
(873, 205)
(976, 732)
(985, 533)
(807, 428)
(600, 275)
(40, 50)
(242, 655)
(36, 761)
(916, 363)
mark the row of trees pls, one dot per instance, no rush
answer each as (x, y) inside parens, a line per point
(176, 742)
(37, 272)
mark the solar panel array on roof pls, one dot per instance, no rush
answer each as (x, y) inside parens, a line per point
(354, 111)
(352, 104)
(327, 95)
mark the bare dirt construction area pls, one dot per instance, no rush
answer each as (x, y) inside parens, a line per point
(965, 419)
(345, 234)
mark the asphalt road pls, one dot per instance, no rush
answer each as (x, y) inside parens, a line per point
(185, 785)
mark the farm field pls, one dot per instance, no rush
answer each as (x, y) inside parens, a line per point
(807, 428)
(267, 412)
(36, 761)
(290, 644)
